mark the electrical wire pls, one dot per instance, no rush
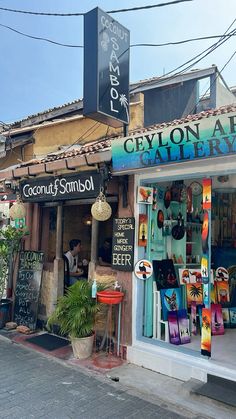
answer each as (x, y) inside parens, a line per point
(40, 38)
(207, 51)
(169, 3)
(213, 82)
(164, 44)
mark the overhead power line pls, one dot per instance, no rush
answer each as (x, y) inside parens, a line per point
(39, 38)
(27, 12)
(164, 44)
(173, 73)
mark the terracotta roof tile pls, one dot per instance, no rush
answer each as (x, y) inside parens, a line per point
(105, 144)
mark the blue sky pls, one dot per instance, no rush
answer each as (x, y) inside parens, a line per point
(36, 76)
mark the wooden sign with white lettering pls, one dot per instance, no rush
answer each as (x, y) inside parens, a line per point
(28, 288)
(123, 244)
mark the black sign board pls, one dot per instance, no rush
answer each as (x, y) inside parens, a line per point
(106, 69)
(79, 185)
(123, 244)
(27, 288)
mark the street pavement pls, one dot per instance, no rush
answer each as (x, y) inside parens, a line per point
(33, 385)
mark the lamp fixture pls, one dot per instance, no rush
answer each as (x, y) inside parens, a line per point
(87, 220)
(101, 210)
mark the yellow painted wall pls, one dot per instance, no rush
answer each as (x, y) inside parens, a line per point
(80, 131)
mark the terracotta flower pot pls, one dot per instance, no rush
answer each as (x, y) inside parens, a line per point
(82, 347)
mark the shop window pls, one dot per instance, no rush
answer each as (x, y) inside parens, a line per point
(170, 235)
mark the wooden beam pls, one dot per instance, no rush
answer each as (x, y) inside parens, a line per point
(59, 242)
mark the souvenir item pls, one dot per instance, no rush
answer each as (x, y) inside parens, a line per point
(213, 293)
(178, 231)
(206, 332)
(165, 275)
(199, 311)
(206, 300)
(217, 324)
(206, 194)
(204, 269)
(193, 318)
(189, 200)
(195, 276)
(184, 276)
(173, 328)
(170, 301)
(226, 319)
(176, 190)
(222, 274)
(194, 293)
(232, 316)
(196, 188)
(143, 229)
(184, 332)
(205, 232)
(167, 198)
(143, 269)
(152, 230)
(145, 195)
(160, 219)
(222, 292)
(154, 201)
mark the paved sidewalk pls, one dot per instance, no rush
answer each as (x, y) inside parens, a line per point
(33, 385)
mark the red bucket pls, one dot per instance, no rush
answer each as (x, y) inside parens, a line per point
(110, 297)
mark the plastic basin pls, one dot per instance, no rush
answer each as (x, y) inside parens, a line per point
(110, 297)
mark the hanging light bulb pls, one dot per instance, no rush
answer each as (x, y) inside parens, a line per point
(101, 210)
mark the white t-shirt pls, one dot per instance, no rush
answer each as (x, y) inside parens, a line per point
(73, 261)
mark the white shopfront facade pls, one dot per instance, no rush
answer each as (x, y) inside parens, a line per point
(186, 151)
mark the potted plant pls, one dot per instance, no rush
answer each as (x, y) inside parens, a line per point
(10, 240)
(75, 314)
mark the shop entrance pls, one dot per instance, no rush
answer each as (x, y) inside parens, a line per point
(170, 235)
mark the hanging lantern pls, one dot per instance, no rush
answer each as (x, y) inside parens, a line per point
(101, 210)
(17, 210)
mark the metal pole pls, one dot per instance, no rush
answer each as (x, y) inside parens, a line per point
(118, 331)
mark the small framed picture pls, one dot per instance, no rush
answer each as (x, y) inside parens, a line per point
(145, 195)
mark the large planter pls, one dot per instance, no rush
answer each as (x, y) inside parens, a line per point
(82, 347)
(5, 312)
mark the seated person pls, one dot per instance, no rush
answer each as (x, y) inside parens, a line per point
(72, 257)
(104, 253)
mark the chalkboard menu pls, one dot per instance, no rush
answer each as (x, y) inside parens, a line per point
(123, 244)
(27, 288)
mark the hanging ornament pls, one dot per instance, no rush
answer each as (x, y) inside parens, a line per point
(17, 210)
(101, 210)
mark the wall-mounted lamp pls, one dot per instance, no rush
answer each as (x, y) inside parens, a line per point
(87, 220)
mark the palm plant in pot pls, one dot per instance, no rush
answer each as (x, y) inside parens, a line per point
(75, 314)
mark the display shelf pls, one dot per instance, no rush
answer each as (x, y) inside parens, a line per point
(199, 223)
(187, 264)
(190, 242)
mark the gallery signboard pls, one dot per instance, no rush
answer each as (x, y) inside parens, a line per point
(106, 69)
(77, 186)
(214, 136)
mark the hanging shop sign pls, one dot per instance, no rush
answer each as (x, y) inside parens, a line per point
(106, 69)
(28, 288)
(123, 244)
(78, 186)
(214, 136)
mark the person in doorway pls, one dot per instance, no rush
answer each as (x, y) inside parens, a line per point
(104, 253)
(72, 257)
